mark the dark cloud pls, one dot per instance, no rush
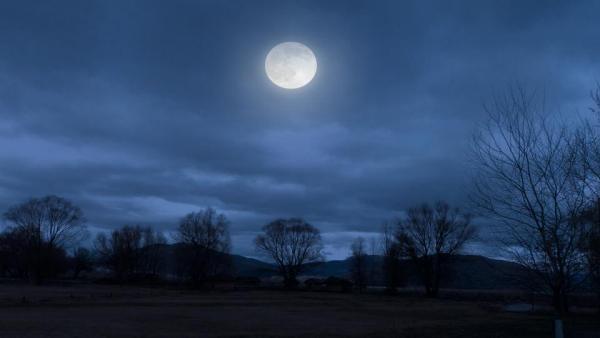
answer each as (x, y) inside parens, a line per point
(141, 111)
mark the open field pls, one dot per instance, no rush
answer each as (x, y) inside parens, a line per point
(110, 311)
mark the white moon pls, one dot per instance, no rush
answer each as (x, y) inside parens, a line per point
(291, 65)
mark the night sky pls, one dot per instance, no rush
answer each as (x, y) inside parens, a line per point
(143, 111)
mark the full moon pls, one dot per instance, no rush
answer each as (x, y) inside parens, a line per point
(291, 65)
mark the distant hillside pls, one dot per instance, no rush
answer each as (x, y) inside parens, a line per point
(241, 266)
(478, 272)
(462, 272)
(244, 266)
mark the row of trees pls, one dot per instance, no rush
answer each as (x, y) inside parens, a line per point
(536, 176)
(131, 252)
(35, 245)
(139, 253)
(427, 235)
(41, 230)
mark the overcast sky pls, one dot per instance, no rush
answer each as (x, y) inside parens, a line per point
(143, 111)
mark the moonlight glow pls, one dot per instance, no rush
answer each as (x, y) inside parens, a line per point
(291, 65)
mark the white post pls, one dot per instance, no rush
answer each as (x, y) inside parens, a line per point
(558, 328)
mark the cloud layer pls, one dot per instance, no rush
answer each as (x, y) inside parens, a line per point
(142, 111)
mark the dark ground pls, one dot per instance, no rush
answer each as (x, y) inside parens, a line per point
(112, 311)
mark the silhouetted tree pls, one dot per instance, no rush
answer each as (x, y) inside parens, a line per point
(593, 260)
(14, 253)
(429, 235)
(588, 147)
(44, 227)
(591, 249)
(152, 258)
(392, 253)
(131, 251)
(120, 252)
(81, 261)
(374, 267)
(204, 250)
(358, 264)
(529, 180)
(291, 243)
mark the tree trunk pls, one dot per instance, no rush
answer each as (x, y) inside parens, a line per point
(290, 282)
(36, 271)
(428, 271)
(559, 301)
(436, 276)
(435, 291)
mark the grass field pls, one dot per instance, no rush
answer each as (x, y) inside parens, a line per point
(110, 311)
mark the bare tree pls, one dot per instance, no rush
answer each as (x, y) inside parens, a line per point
(132, 252)
(291, 243)
(47, 226)
(152, 260)
(120, 252)
(593, 259)
(358, 264)
(205, 244)
(528, 181)
(590, 246)
(588, 146)
(392, 253)
(429, 235)
(81, 261)
(374, 266)
(596, 98)
(14, 253)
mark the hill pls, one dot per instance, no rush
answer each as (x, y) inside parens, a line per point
(462, 271)
(244, 266)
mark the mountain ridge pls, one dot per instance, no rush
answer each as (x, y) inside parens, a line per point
(461, 271)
